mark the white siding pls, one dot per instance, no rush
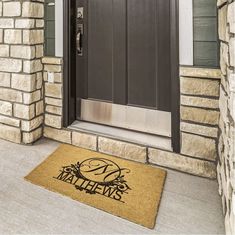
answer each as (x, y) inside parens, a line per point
(186, 32)
(59, 28)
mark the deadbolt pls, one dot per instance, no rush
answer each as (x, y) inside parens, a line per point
(80, 12)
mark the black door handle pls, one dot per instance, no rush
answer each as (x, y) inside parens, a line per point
(79, 39)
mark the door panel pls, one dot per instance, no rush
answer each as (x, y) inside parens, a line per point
(142, 52)
(100, 49)
(164, 55)
(119, 52)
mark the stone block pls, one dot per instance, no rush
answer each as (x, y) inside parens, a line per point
(32, 66)
(83, 140)
(53, 90)
(33, 10)
(24, 111)
(33, 37)
(10, 133)
(198, 146)
(52, 101)
(5, 79)
(52, 60)
(58, 77)
(223, 104)
(54, 109)
(39, 23)
(232, 51)
(199, 115)
(4, 50)
(53, 121)
(12, 8)
(5, 108)
(24, 23)
(63, 136)
(1, 35)
(199, 129)
(39, 107)
(31, 137)
(39, 80)
(122, 149)
(10, 65)
(199, 102)
(200, 72)
(52, 68)
(224, 57)
(29, 98)
(39, 51)
(196, 86)
(221, 2)
(10, 95)
(231, 17)
(32, 124)
(9, 121)
(6, 23)
(23, 52)
(12, 36)
(24, 82)
(182, 163)
(222, 27)
(55, 77)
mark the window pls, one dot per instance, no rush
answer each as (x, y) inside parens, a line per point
(50, 27)
(205, 38)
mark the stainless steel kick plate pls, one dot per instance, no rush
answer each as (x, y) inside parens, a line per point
(127, 117)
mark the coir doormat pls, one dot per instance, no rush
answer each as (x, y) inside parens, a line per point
(123, 188)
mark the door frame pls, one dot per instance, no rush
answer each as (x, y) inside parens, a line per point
(69, 69)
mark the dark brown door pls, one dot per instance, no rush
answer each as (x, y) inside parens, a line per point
(123, 53)
(126, 47)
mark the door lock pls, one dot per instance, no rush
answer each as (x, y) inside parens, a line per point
(80, 13)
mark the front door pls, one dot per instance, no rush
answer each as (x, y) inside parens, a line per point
(123, 64)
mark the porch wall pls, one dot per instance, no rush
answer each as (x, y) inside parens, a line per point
(21, 50)
(226, 147)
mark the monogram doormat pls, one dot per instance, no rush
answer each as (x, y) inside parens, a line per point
(123, 188)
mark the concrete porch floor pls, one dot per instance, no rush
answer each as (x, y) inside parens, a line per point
(190, 204)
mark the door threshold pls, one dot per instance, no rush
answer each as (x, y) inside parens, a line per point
(134, 137)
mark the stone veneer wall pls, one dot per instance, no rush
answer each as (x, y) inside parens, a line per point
(21, 50)
(200, 92)
(226, 147)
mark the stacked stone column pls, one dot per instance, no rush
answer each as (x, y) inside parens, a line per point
(226, 147)
(21, 50)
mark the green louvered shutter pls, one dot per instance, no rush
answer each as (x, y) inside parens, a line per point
(205, 37)
(50, 28)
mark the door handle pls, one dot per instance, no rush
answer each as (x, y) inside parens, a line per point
(79, 38)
